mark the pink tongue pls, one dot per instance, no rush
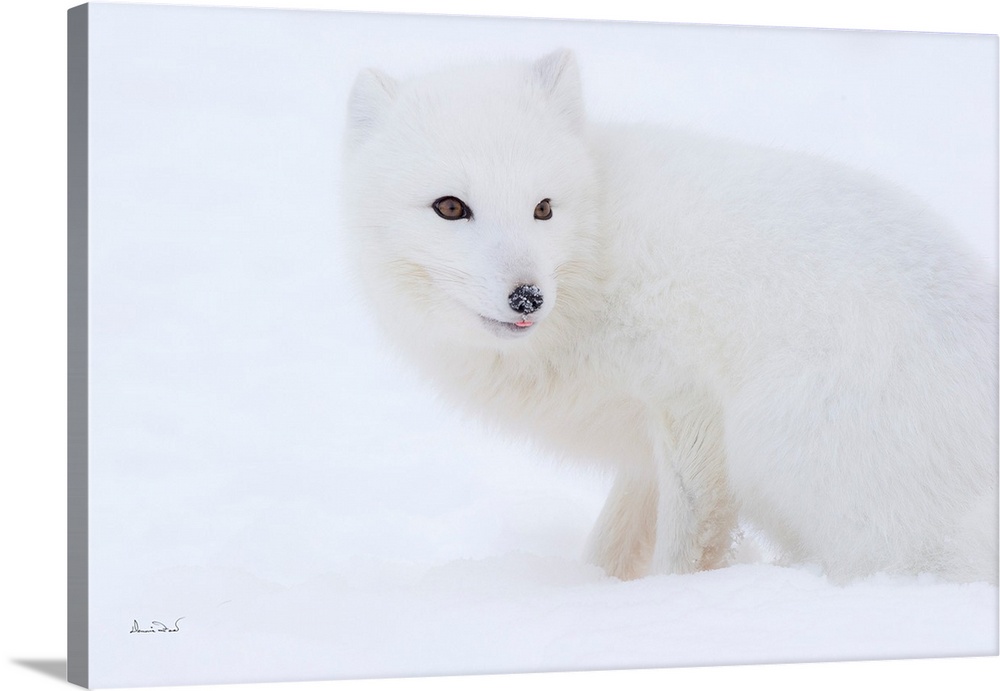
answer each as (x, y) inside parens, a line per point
(522, 324)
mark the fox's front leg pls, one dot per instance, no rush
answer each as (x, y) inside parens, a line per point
(695, 514)
(622, 540)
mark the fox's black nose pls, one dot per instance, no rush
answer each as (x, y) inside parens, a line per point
(525, 299)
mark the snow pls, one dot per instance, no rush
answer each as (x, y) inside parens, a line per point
(264, 468)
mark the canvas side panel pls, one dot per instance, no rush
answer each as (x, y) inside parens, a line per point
(77, 212)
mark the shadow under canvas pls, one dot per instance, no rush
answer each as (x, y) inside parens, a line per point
(50, 668)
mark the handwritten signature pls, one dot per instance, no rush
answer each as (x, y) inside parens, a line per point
(155, 627)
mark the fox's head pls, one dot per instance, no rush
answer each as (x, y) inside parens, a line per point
(467, 192)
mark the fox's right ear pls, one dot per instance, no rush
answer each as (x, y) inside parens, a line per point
(372, 94)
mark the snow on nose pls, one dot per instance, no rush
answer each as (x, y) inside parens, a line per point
(525, 299)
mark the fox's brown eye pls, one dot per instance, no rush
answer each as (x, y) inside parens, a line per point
(543, 210)
(451, 208)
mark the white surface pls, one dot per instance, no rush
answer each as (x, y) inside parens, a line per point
(434, 541)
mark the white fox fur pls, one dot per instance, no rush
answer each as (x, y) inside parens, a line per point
(741, 333)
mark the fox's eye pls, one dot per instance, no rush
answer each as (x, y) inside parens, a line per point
(543, 210)
(451, 208)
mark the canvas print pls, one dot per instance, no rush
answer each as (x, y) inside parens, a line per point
(431, 345)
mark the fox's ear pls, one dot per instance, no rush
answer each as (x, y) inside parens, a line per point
(558, 76)
(372, 94)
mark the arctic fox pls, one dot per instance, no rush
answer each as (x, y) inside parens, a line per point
(743, 334)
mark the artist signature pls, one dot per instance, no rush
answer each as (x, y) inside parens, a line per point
(155, 627)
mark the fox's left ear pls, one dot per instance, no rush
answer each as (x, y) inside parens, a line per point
(558, 76)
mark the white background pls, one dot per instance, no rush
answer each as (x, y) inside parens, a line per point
(32, 429)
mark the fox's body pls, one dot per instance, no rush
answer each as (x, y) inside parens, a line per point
(739, 332)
